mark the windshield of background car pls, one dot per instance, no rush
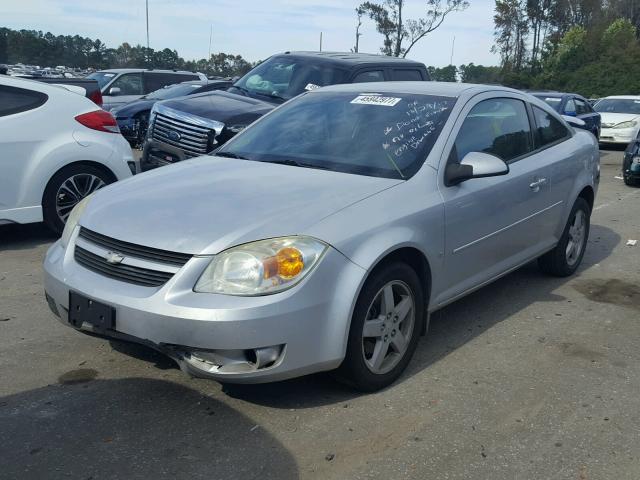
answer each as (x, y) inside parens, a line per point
(553, 102)
(173, 91)
(102, 78)
(282, 78)
(383, 135)
(618, 105)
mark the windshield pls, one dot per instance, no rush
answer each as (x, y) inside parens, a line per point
(173, 91)
(102, 78)
(281, 78)
(618, 105)
(553, 102)
(386, 135)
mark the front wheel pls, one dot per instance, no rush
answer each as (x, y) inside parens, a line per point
(65, 190)
(565, 258)
(385, 328)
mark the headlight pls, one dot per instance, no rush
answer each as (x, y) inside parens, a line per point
(261, 268)
(72, 220)
(236, 128)
(629, 124)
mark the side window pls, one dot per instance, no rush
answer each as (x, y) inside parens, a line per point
(570, 107)
(499, 126)
(129, 84)
(371, 76)
(155, 81)
(582, 107)
(15, 100)
(548, 128)
(407, 75)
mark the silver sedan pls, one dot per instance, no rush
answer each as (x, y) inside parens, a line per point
(324, 235)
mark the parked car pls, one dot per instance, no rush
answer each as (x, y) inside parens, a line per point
(573, 105)
(631, 164)
(89, 88)
(188, 127)
(324, 234)
(133, 117)
(620, 118)
(124, 85)
(56, 148)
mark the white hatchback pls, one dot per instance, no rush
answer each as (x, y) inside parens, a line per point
(55, 149)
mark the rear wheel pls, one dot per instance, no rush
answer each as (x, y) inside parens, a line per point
(65, 190)
(565, 258)
(385, 328)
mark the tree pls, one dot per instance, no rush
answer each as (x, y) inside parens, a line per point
(400, 35)
(444, 74)
(480, 74)
(511, 30)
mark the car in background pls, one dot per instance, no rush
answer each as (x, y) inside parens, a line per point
(124, 85)
(196, 125)
(56, 148)
(620, 118)
(631, 164)
(133, 117)
(323, 235)
(573, 105)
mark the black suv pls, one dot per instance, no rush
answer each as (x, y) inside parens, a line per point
(196, 125)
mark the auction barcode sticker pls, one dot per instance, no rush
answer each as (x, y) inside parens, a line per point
(376, 100)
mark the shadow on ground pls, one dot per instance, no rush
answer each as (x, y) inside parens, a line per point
(132, 428)
(25, 237)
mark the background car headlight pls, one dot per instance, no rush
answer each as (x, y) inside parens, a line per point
(629, 124)
(72, 220)
(261, 268)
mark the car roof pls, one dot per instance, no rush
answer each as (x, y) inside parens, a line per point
(136, 70)
(352, 59)
(547, 94)
(622, 97)
(444, 89)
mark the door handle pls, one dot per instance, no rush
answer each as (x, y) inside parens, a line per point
(535, 185)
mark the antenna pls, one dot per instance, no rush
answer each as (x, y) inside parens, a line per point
(210, 35)
(147, 11)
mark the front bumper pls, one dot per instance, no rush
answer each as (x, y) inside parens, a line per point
(308, 324)
(159, 154)
(618, 135)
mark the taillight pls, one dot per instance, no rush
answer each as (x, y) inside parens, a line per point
(96, 97)
(99, 120)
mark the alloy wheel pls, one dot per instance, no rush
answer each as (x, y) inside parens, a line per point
(577, 231)
(73, 190)
(388, 327)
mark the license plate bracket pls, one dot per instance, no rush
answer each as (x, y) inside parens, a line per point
(86, 310)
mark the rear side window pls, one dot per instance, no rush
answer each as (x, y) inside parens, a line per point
(156, 80)
(15, 100)
(499, 126)
(407, 75)
(549, 129)
(570, 107)
(372, 76)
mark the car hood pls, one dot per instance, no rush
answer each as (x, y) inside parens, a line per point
(615, 118)
(205, 205)
(132, 108)
(220, 106)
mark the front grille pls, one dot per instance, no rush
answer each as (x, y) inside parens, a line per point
(138, 251)
(125, 273)
(193, 139)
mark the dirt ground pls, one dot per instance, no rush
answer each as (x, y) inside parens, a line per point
(529, 378)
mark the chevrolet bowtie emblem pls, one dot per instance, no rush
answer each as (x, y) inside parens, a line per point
(114, 258)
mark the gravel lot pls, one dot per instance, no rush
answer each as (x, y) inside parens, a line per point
(529, 378)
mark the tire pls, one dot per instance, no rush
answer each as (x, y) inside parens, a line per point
(566, 257)
(73, 182)
(629, 182)
(362, 368)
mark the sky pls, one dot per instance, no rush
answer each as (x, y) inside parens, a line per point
(254, 29)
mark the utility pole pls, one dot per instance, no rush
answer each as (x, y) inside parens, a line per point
(358, 34)
(210, 35)
(320, 41)
(453, 44)
(147, 11)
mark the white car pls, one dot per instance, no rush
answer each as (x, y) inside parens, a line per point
(56, 147)
(620, 118)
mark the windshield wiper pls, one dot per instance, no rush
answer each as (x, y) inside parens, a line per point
(274, 95)
(242, 89)
(295, 163)
(230, 155)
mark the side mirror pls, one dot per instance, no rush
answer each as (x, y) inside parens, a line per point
(574, 121)
(474, 165)
(114, 91)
